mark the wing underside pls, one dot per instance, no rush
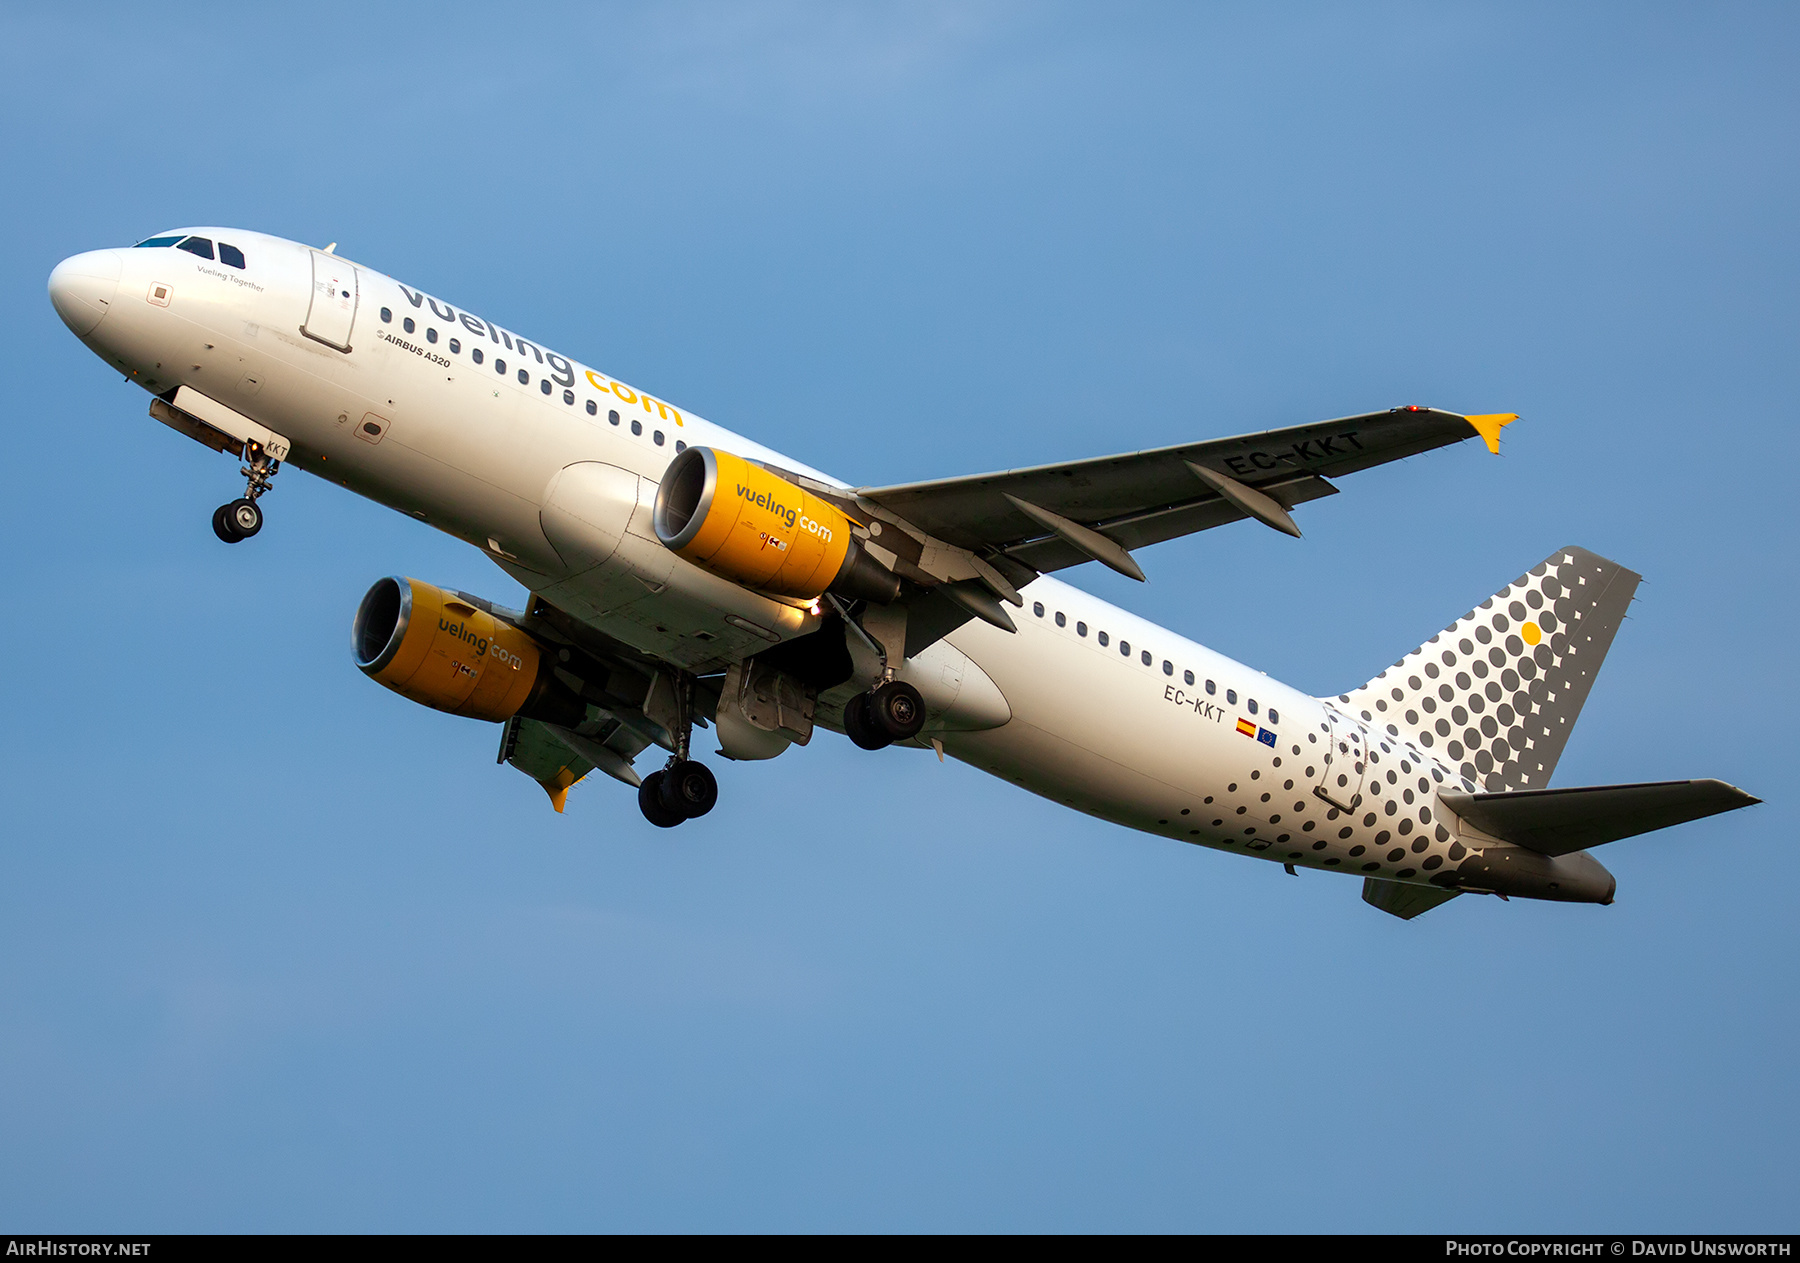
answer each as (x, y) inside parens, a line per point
(1139, 498)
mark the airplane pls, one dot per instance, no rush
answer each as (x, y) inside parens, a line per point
(682, 576)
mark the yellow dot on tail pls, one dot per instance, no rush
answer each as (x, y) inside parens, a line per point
(1532, 633)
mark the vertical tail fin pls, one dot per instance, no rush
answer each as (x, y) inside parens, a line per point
(1499, 690)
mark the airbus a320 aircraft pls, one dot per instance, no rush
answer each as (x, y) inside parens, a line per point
(681, 575)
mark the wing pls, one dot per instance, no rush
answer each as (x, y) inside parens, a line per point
(558, 758)
(1140, 498)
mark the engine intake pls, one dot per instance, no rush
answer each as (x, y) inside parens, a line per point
(435, 648)
(756, 528)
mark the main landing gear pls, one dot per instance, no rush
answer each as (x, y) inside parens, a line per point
(682, 789)
(892, 712)
(242, 518)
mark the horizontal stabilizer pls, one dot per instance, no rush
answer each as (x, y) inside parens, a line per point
(1402, 899)
(1561, 821)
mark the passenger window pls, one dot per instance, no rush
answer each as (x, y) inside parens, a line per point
(613, 416)
(1061, 619)
(1274, 716)
(1103, 638)
(1252, 705)
(431, 335)
(658, 436)
(1145, 657)
(500, 366)
(544, 386)
(1125, 648)
(569, 397)
(1168, 667)
(1231, 696)
(151, 243)
(231, 255)
(475, 354)
(524, 378)
(636, 428)
(680, 446)
(1081, 629)
(387, 317)
(593, 408)
(1037, 607)
(408, 324)
(197, 245)
(1211, 688)
(455, 347)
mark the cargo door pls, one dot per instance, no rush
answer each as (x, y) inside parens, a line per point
(333, 311)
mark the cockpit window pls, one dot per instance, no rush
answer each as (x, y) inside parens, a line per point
(197, 245)
(152, 242)
(231, 255)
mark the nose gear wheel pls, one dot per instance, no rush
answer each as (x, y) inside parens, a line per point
(237, 521)
(241, 518)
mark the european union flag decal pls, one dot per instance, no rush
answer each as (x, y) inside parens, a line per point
(1266, 737)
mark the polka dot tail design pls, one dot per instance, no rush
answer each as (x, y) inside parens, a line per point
(1496, 693)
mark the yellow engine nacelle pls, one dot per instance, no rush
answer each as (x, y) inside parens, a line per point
(756, 528)
(437, 649)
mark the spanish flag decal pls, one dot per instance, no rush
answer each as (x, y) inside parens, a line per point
(1246, 727)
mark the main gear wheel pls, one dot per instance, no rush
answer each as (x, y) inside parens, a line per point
(650, 802)
(894, 711)
(688, 789)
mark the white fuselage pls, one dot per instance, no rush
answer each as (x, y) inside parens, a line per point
(1086, 704)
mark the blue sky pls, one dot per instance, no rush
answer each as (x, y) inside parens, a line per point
(279, 950)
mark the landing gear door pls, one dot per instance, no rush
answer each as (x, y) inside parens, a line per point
(1342, 778)
(333, 311)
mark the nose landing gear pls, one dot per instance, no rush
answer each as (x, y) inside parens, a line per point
(683, 789)
(236, 521)
(240, 519)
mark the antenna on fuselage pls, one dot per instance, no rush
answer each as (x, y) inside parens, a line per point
(329, 249)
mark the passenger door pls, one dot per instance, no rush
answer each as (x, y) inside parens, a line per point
(1340, 783)
(333, 312)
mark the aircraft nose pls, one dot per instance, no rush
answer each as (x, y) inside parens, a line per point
(83, 286)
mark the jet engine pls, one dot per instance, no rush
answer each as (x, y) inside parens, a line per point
(756, 528)
(437, 649)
